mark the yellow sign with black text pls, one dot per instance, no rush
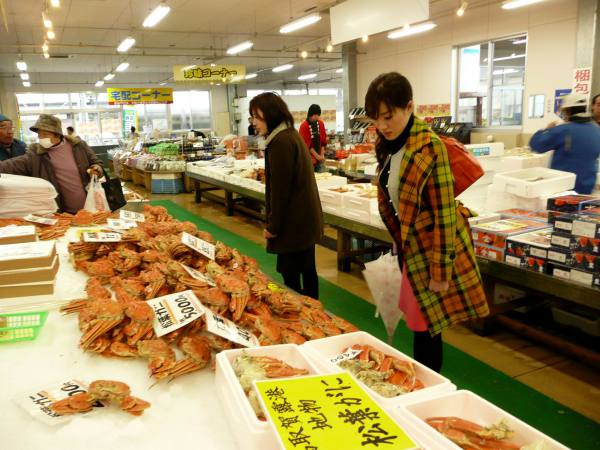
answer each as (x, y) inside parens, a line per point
(217, 74)
(133, 96)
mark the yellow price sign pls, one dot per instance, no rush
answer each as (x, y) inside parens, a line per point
(328, 412)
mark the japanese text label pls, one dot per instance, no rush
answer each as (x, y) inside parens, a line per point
(174, 311)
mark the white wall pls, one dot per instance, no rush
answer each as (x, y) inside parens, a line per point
(426, 59)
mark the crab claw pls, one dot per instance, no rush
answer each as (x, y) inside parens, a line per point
(77, 403)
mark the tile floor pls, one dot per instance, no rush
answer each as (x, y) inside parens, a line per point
(555, 375)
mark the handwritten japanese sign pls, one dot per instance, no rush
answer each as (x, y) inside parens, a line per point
(132, 96)
(198, 275)
(328, 412)
(130, 215)
(41, 220)
(101, 237)
(121, 224)
(174, 311)
(217, 74)
(351, 353)
(227, 329)
(201, 246)
(582, 80)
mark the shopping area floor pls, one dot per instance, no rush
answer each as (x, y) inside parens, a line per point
(553, 374)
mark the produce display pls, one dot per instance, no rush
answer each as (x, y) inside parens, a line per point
(150, 261)
(385, 374)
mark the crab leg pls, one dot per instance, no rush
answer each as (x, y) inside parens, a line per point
(183, 367)
(98, 330)
(74, 306)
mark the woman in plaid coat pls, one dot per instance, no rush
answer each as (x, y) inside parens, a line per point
(441, 281)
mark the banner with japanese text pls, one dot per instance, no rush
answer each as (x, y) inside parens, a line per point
(217, 74)
(133, 96)
(582, 80)
(328, 412)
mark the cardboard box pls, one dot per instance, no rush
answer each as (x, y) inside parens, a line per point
(576, 276)
(560, 255)
(496, 233)
(572, 203)
(27, 289)
(562, 222)
(36, 275)
(586, 226)
(575, 243)
(17, 234)
(27, 256)
(535, 244)
(489, 252)
(528, 263)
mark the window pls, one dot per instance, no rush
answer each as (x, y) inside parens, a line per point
(491, 78)
(254, 92)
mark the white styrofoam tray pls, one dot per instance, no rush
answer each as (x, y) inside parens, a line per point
(360, 216)
(524, 183)
(250, 432)
(331, 198)
(331, 182)
(491, 163)
(468, 406)
(321, 351)
(356, 202)
(524, 162)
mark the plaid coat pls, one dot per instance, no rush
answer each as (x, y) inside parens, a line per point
(432, 233)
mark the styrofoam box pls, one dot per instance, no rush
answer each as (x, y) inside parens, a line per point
(370, 169)
(335, 210)
(524, 162)
(521, 182)
(486, 149)
(376, 220)
(331, 198)
(357, 215)
(491, 163)
(250, 432)
(469, 406)
(332, 182)
(354, 201)
(320, 351)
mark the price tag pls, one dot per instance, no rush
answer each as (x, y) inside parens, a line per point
(101, 237)
(560, 225)
(582, 277)
(538, 253)
(561, 241)
(557, 256)
(351, 353)
(174, 311)
(274, 287)
(586, 229)
(227, 329)
(130, 215)
(41, 220)
(513, 260)
(38, 403)
(17, 231)
(559, 273)
(121, 224)
(201, 246)
(198, 275)
(326, 412)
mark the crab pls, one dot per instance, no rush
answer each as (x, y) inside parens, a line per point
(470, 435)
(214, 298)
(102, 268)
(142, 318)
(253, 368)
(223, 253)
(104, 315)
(128, 289)
(270, 332)
(125, 260)
(198, 355)
(95, 289)
(291, 337)
(161, 356)
(282, 302)
(104, 390)
(239, 291)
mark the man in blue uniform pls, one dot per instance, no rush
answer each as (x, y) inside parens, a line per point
(9, 146)
(576, 143)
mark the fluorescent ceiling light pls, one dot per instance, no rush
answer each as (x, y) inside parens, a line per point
(99, 83)
(240, 48)
(25, 76)
(300, 23)
(156, 15)
(520, 41)
(21, 65)
(504, 71)
(513, 56)
(461, 11)
(512, 4)
(122, 67)
(109, 77)
(304, 54)
(282, 68)
(55, 3)
(47, 22)
(329, 48)
(126, 44)
(409, 30)
(365, 38)
(46, 55)
(26, 84)
(308, 76)
(340, 70)
(45, 47)
(51, 34)
(249, 76)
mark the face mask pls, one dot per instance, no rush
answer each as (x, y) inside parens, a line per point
(46, 142)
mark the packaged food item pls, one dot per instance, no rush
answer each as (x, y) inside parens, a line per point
(495, 233)
(486, 251)
(572, 203)
(535, 244)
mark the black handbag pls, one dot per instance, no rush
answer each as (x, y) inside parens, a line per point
(113, 191)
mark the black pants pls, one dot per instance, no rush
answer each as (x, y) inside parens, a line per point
(299, 271)
(428, 350)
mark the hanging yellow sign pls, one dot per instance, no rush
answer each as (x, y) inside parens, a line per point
(132, 96)
(328, 412)
(217, 74)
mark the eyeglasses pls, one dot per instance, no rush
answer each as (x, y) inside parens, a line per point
(7, 128)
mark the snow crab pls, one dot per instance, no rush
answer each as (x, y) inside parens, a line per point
(198, 355)
(469, 435)
(239, 291)
(161, 356)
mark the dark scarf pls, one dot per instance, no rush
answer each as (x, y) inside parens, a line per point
(315, 135)
(387, 148)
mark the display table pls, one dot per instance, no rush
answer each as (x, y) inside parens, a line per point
(185, 413)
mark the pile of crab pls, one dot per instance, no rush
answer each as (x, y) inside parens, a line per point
(147, 263)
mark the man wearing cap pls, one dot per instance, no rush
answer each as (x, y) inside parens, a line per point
(576, 143)
(9, 146)
(66, 162)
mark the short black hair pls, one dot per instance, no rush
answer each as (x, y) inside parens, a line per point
(274, 110)
(132, 128)
(391, 89)
(577, 110)
(312, 110)
(594, 98)
(70, 129)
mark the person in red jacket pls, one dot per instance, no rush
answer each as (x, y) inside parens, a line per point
(313, 133)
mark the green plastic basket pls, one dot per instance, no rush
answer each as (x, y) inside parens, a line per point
(21, 326)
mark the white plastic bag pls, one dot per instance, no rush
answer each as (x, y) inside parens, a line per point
(383, 276)
(96, 198)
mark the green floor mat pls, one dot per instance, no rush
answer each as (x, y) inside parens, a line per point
(550, 417)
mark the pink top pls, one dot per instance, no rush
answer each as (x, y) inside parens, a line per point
(67, 176)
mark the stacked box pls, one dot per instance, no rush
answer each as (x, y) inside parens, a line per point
(572, 203)
(530, 250)
(490, 237)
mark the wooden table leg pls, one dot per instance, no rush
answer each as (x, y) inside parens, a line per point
(198, 190)
(344, 245)
(229, 202)
(148, 181)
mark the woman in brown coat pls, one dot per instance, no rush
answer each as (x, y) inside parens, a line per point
(294, 219)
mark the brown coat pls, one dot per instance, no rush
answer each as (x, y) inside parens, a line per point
(293, 207)
(36, 163)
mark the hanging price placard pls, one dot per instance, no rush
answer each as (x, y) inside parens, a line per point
(121, 224)
(198, 275)
(174, 311)
(41, 220)
(201, 246)
(227, 329)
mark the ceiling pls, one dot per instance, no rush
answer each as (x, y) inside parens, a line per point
(195, 32)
